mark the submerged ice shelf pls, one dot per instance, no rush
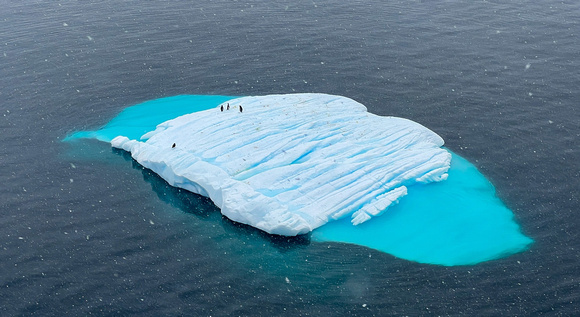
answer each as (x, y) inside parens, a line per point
(289, 164)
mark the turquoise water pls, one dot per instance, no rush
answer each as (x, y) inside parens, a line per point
(135, 121)
(459, 221)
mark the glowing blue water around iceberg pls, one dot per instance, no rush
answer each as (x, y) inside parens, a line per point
(453, 222)
(135, 121)
(456, 222)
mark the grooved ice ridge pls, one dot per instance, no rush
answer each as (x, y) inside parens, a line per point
(288, 164)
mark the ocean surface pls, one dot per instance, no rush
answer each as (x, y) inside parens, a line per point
(84, 230)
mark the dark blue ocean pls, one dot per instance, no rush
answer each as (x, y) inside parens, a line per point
(85, 230)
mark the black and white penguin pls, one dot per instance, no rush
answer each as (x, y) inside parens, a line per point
(241, 109)
(222, 108)
(173, 145)
(228, 108)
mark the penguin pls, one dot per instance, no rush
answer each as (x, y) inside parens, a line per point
(228, 106)
(222, 108)
(241, 109)
(173, 145)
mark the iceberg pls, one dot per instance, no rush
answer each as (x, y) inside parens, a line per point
(288, 164)
(321, 164)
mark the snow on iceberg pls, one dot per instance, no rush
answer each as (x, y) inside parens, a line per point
(288, 164)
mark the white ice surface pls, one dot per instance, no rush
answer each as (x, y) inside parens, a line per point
(288, 164)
